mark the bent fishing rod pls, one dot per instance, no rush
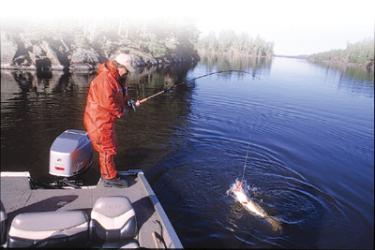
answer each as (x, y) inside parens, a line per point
(132, 102)
(76, 184)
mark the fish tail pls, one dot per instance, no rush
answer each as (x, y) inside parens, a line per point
(276, 226)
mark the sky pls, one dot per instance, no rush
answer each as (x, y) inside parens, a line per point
(295, 26)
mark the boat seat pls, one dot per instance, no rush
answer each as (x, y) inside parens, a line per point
(3, 218)
(48, 229)
(113, 219)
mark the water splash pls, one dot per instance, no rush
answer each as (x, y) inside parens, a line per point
(239, 190)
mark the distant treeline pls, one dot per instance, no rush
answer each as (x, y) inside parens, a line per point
(229, 42)
(360, 53)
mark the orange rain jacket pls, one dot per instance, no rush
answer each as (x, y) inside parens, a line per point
(105, 103)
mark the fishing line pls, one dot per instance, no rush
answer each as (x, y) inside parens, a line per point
(193, 79)
(221, 71)
(245, 165)
(248, 147)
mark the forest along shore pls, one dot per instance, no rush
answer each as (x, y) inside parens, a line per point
(81, 48)
(359, 54)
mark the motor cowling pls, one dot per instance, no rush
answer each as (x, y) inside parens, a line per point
(70, 154)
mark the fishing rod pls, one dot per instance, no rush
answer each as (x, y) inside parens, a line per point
(132, 102)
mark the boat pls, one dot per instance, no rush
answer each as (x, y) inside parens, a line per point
(66, 214)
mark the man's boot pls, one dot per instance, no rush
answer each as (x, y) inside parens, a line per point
(115, 182)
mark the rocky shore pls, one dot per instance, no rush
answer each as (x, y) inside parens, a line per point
(26, 51)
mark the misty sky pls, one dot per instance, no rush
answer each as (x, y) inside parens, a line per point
(296, 27)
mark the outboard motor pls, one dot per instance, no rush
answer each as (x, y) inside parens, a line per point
(70, 154)
(3, 218)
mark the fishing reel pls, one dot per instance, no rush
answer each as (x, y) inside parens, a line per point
(131, 104)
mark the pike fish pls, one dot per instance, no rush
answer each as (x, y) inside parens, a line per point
(238, 190)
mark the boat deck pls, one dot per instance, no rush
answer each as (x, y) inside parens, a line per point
(155, 230)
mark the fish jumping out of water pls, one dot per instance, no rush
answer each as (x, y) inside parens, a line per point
(238, 190)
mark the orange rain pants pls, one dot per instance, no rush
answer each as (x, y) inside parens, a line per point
(105, 103)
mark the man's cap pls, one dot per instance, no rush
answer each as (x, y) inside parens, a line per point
(125, 60)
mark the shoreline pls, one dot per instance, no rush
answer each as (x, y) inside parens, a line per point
(369, 66)
(27, 52)
(89, 68)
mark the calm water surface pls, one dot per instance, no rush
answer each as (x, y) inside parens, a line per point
(309, 130)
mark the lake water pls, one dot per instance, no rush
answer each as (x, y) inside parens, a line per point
(308, 131)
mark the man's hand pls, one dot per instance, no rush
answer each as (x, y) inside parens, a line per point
(120, 115)
(132, 104)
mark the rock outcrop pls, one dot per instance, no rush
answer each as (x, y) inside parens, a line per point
(84, 60)
(76, 53)
(51, 55)
(8, 50)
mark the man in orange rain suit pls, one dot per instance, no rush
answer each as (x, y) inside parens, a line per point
(106, 102)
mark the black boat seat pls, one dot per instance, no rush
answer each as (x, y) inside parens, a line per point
(113, 219)
(48, 229)
(3, 218)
